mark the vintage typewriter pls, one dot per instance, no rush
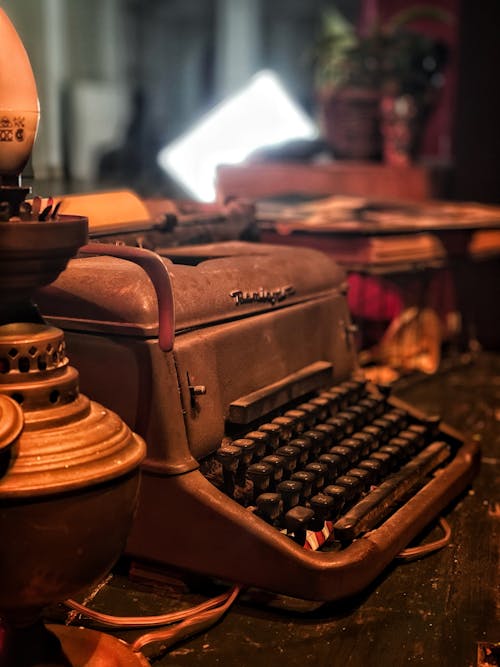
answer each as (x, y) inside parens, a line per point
(271, 462)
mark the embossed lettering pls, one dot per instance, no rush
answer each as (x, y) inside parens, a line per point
(262, 295)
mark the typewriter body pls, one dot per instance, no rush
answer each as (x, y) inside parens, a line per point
(270, 462)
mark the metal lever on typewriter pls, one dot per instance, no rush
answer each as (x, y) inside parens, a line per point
(155, 268)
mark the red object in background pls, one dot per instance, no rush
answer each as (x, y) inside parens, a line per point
(437, 140)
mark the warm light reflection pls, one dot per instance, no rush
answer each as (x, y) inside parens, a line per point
(262, 114)
(19, 110)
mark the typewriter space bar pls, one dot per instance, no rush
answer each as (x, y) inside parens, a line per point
(246, 409)
(377, 504)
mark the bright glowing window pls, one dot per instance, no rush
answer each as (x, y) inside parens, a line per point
(262, 114)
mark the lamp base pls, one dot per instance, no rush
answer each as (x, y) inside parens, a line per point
(63, 646)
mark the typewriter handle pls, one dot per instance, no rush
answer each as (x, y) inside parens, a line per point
(154, 267)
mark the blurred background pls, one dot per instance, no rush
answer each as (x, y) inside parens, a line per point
(120, 79)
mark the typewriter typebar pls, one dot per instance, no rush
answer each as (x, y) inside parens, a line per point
(271, 462)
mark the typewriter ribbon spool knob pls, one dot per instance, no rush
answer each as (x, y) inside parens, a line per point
(69, 468)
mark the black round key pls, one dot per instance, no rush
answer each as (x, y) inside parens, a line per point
(290, 455)
(269, 506)
(375, 467)
(356, 389)
(260, 474)
(332, 463)
(278, 464)
(415, 439)
(347, 455)
(366, 441)
(403, 414)
(385, 429)
(359, 414)
(362, 474)
(397, 457)
(385, 460)
(342, 394)
(290, 491)
(286, 425)
(374, 432)
(328, 432)
(350, 421)
(247, 449)
(317, 439)
(307, 480)
(297, 521)
(229, 457)
(352, 485)
(398, 451)
(323, 507)
(432, 424)
(397, 422)
(405, 445)
(323, 407)
(312, 412)
(273, 431)
(304, 445)
(373, 407)
(339, 494)
(299, 417)
(340, 425)
(421, 431)
(356, 446)
(333, 402)
(320, 470)
(262, 442)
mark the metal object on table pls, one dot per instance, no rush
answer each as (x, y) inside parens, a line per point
(69, 468)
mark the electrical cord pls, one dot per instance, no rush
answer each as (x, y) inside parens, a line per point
(190, 620)
(422, 550)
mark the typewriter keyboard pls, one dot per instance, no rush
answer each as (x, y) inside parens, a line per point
(331, 468)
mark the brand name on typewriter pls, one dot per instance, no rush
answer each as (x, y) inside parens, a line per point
(262, 295)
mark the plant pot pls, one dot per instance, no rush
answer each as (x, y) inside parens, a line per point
(350, 119)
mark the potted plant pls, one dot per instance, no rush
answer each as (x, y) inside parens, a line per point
(376, 89)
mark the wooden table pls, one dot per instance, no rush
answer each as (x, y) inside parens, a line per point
(433, 612)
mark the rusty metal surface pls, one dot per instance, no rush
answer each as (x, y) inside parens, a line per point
(439, 611)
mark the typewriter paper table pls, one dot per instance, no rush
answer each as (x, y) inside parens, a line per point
(438, 612)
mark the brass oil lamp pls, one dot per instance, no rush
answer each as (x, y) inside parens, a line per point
(69, 468)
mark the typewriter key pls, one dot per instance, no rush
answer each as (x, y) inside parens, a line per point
(323, 406)
(304, 445)
(323, 507)
(269, 507)
(297, 521)
(262, 443)
(346, 455)
(365, 477)
(299, 418)
(416, 440)
(290, 456)
(260, 475)
(374, 466)
(317, 439)
(352, 485)
(332, 463)
(307, 480)
(278, 464)
(339, 495)
(289, 491)
(328, 432)
(320, 470)
(273, 431)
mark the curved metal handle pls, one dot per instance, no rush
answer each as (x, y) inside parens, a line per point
(155, 268)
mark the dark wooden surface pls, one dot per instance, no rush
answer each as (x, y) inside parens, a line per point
(432, 612)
